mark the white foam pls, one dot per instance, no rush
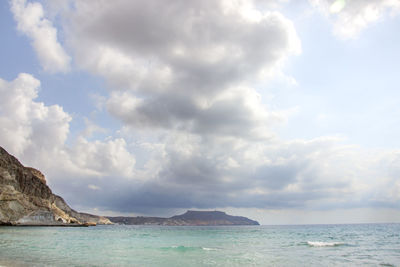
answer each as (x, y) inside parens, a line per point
(324, 244)
(209, 249)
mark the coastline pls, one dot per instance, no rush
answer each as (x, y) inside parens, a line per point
(45, 225)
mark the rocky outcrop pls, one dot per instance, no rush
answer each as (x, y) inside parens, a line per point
(25, 198)
(190, 218)
(213, 218)
(37, 173)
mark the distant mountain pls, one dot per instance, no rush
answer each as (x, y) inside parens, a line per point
(191, 217)
(25, 199)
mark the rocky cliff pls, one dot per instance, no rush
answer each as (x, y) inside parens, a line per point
(195, 218)
(25, 198)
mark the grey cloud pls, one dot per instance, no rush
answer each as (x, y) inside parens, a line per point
(155, 31)
(131, 197)
(283, 178)
(171, 55)
(276, 177)
(230, 116)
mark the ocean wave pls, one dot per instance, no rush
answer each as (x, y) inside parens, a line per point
(187, 249)
(324, 244)
(209, 249)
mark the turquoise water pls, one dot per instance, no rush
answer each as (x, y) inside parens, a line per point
(306, 245)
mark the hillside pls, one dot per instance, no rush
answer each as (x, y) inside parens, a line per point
(25, 198)
(190, 218)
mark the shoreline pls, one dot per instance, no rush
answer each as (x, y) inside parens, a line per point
(45, 225)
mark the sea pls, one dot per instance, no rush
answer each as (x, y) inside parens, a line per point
(123, 245)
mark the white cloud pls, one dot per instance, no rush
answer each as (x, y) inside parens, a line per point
(27, 125)
(92, 128)
(93, 187)
(102, 158)
(31, 22)
(351, 17)
(37, 134)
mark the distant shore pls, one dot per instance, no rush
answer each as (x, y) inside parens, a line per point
(190, 218)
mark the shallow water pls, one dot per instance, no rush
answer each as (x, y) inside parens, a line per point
(303, 245)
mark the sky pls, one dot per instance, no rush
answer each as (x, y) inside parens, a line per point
(284, 111)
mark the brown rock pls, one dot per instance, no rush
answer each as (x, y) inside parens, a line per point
(25, 199)
(90, 224)
(37, 174)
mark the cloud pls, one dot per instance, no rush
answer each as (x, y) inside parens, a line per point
(183, 78)
(180, 169)
(29, 126)
(234, 112)
(351, 17)
(32, 22)
(37, 135)
(109, 157)
(183, 65)
(93, 187)
(195, 172)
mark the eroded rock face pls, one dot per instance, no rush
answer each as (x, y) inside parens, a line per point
(25, 199)
(37, 173)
